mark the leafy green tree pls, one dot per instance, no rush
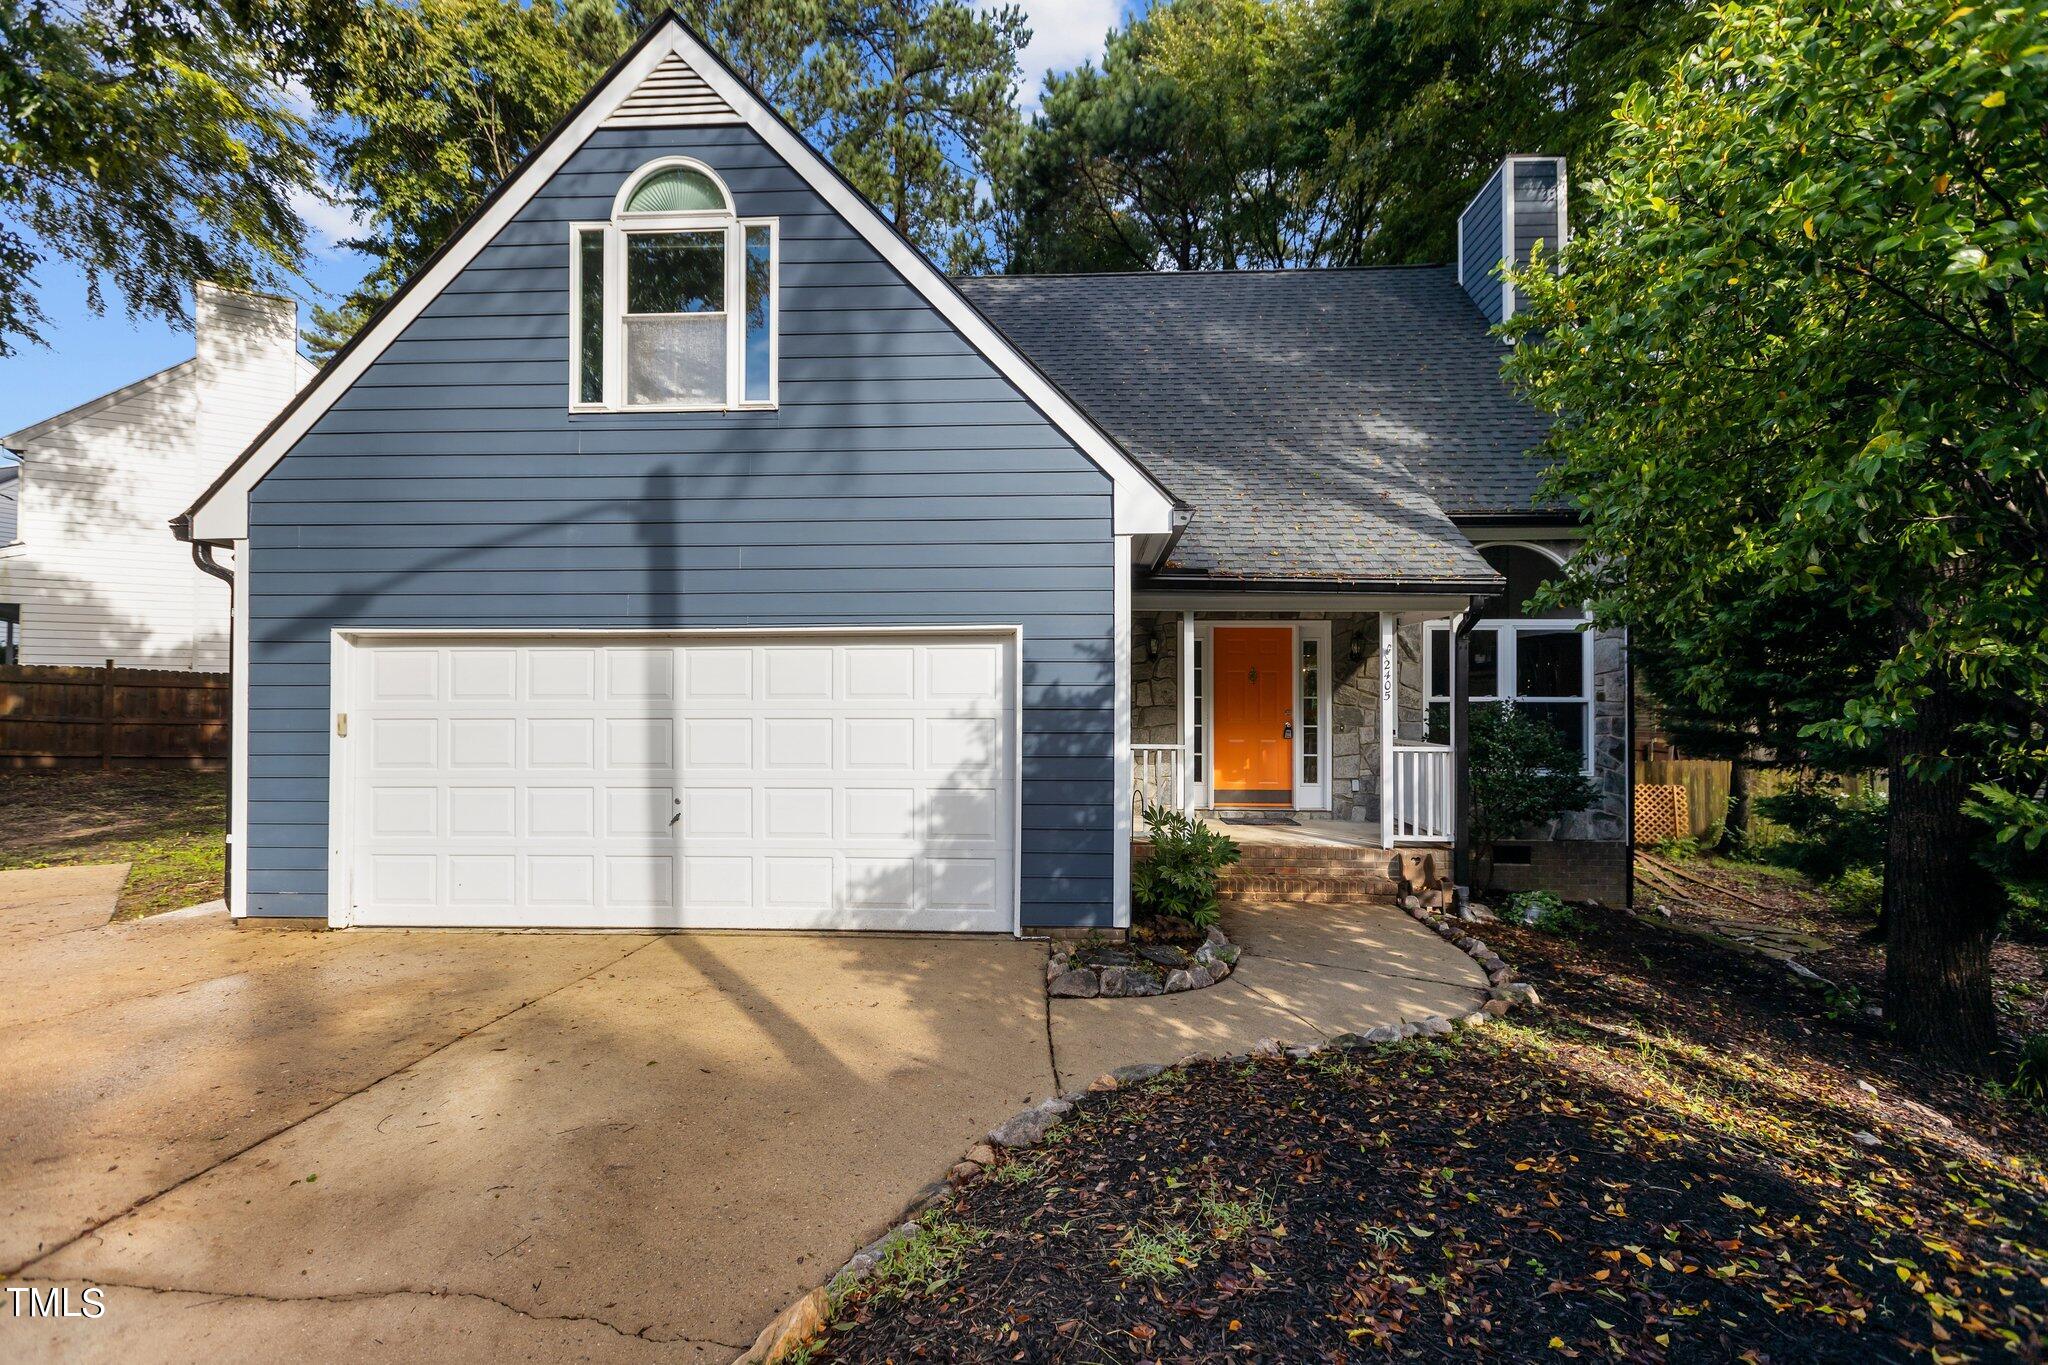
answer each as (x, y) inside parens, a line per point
(1745, 685)
(913, 99)
(1523, 776)
(1429, 95)
(1191, 147)
(1219, 134)
(1799, 354)
(151, 144)
(434, 103)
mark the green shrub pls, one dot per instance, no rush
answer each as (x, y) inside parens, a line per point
(1857, 891)
(1831, 831)
(1523, 775)
(1543, 910)
(1680, 850)
(2026, 909)
(2030, 1077)
(1179, 880)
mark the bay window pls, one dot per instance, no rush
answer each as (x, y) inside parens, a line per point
(674, 299)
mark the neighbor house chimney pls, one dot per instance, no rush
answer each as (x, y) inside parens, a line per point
(247, 370)
(1523, 203)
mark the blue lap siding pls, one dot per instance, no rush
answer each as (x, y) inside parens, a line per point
(902, 480)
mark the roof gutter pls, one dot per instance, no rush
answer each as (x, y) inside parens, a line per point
(1204, 583)
(1516, 520)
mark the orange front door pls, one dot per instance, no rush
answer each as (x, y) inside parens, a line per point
(1252, 681)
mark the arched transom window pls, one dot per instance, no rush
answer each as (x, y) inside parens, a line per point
(674, 298)
(1541, 660)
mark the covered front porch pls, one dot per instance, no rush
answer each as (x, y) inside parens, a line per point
(1298, 725)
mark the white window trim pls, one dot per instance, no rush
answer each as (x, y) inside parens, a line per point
(616, 230)
(774, 398)
(1508, 630)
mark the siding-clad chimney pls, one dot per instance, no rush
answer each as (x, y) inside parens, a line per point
(1521, 204)
(247, 369)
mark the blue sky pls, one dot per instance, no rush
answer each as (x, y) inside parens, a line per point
(90, 354)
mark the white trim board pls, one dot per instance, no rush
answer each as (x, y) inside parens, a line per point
(1141, 506)
(1433, 604)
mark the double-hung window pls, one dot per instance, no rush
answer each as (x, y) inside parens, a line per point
(674, 299)
(1541, 660)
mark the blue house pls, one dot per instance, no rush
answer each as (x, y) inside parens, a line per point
(680, 548)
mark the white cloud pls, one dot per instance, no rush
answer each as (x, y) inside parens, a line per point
(1064, 33)
(331, 223)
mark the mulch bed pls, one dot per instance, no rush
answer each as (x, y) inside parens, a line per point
(1705, 891)
(1664, 1163)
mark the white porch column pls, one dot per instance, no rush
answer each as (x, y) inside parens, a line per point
(1187, 710)
(1120, 607)
(1390, 697)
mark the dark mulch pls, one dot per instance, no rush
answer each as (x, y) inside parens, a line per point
(1718, 890)
(1661, 1164)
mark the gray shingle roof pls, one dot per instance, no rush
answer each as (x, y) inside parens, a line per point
(1322, 423)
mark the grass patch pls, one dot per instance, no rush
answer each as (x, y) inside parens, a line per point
(1231, 1219)
(168, 825)
(926, 1258)
(1013, 1172)
(1158, 1256)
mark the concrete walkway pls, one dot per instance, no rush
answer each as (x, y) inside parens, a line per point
(1308, 972)
(391, 1145)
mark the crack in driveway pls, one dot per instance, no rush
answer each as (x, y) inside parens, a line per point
(93, 1229)
(213, 1296)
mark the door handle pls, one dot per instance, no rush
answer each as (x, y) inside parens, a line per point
(1287, 730)
(675, 819)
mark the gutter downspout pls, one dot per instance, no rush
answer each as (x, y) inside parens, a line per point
(202, 555)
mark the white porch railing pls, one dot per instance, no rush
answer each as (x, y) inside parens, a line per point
(1420, 809)
(1158, 778)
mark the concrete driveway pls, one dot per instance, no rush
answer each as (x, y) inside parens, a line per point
(520, 1146)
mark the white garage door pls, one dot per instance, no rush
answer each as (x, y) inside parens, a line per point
(847, 782)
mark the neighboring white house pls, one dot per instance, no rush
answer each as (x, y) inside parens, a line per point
(89, 570)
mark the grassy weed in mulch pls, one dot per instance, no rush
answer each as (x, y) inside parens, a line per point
(1663, 1164)
(167, 824)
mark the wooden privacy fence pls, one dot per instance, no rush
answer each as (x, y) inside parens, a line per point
(1705, 781)
(108, 717)
(1706, 789)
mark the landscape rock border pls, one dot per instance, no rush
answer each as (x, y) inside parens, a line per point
(1069, 978)
(810, 1315)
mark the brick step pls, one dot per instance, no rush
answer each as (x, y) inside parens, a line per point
(1309, 890)
(1317, 864)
